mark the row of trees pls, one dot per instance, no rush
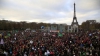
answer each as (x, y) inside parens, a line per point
(11, 25)
(89, 26)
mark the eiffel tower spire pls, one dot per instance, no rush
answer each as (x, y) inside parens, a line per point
(74, 11)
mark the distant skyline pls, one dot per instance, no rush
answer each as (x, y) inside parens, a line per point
(49, 11)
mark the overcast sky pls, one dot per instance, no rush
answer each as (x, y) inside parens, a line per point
(49, 11)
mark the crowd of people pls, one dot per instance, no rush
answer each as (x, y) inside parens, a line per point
(27, 43)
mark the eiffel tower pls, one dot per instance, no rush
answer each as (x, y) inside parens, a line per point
(74, 22)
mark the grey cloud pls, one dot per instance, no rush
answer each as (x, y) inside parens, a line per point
(88, 5)
(58, 11)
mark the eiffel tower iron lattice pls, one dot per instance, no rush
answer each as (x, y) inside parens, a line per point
(74, 17)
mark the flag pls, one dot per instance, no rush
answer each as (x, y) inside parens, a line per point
(60, 35)
(2, 41)
(42, 27)
(8, 34)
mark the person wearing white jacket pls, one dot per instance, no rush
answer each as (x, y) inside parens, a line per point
(47, 53)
